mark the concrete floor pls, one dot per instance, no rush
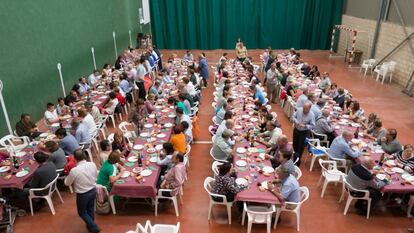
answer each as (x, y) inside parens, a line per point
(318, 215)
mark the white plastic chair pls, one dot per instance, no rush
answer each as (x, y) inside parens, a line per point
(259, 215)
(315, 147)
(367, 65)
(157, 228)
(349, 189)
(329, 173)
(387, 68)
(298, 173)
(214, 167)
(127, 133)
(50, 188)
(110, 137)
(61, 176)
(294, 207)
(14, 142)
(214, 158)
(340, 163)
(110, 197)
(324, 137)
(207, 186)
(214, 119)
(172, 198)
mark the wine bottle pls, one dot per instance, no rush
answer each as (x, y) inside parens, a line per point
(139, 160)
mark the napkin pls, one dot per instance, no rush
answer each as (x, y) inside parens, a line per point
(152, 168)
(129, 164)
(120, 181)
(261, 151)
(153, 155)
(241, 169)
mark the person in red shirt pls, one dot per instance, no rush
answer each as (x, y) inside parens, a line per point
(119, 96)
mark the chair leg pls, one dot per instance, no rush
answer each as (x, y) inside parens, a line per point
(325, 184)
(175, 205)
(50, 203)
(277, 217)
(243, 216)
(249, 226)
(229, 212)
(31, 205)
(343, 193)
(297, 220)
(60, 197)
(348, 203)
(268, 225)
(156, 206)
(209, 210)
(368, 208)
(312, 162)
(113, 120)
(112, 203)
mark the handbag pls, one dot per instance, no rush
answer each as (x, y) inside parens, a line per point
(103, 208)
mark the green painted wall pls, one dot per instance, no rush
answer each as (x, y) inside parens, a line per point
(36, 35)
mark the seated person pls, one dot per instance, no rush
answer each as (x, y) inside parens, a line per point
(341, 149)
(220, 114)
(356, 113)
(389, 143)
(61, 108)
(119, 96)
(94, 111)
(120, 144)
(288, 190)
(273, 152)
(405, 158)
(94, 78)
(258, 94)
(56, 154)
(185, 102)
(72, 97)
(67, 142)
(223, 147)
(187, 131)
(178, 140)
(105, 151)
(188, 56)
(376, 131)
(156, 90)
(150, 103)
(87, 119)
(225, 124)
(25, 127)
(175, 176)
(225, 183)
(286, 162)
(111, 170)
(181, 116)
(269, 138)
(83, 86)
(340, 98)
(51, 115)
(322, 126)
(80, 132)
(360, 177)
(124, 84)
(44, 174)
(165, 157)
(110, 106)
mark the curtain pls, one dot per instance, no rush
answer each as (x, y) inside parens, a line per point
(214, 24)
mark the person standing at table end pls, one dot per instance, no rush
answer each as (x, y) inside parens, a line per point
(140, 78)
(83, 178)
(25, 127)
(360, 177)
(304, 121)
(390, 143)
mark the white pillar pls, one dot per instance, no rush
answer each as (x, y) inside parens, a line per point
(59, 67)
(93, 57)
(130, 38)
(3, 106)
(116, 52)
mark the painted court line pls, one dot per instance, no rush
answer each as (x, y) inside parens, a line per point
(203, 142)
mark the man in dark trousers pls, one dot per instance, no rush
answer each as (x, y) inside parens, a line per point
(304, 121)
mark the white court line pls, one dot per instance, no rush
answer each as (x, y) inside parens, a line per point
(203, 142)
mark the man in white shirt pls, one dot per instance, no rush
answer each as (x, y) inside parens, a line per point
(51, 115)
(270, 137)
(88, 121)
(93, 78)
(139, 78)
(94, 111)
(83, 178)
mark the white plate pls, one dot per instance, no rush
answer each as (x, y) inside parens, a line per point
(268, 169)
(137, 170)
(158, 107)
(168, 125)
(238, 127)
(262, 156)
(240, 150)
(152, 116)
(161, 135)
(164, 110)
(132, 159)
(264, 184)
(20, 154)
(152, 139)
(355, 125)
(138, 147)
(342, 123)
(103, 97)
(253, 150)
(241, 163)
(398, 170)
(408, 177)
(171, 115)
(151, 150)
(153, 159)
(144, 134)
(148, 126)
(379, 151)
(337, 127)
(97, 102)
(242, 181)
(146, 172)
(126, 174)
(254, 119)
(43, 135)
(355, 141)
(57, 124)
(381, 176)
(4, 168)
(345, 116)
(22, 173)
(246, 116)
(158, 147)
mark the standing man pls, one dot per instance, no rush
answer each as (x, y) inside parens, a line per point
(271, 82)
(139, 78)
(304, 121)
(83, 178)
(203, 66)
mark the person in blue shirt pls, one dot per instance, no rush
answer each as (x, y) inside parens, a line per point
(83, 86)
(258, 95)
(150, 59)
(203, 66)
(341, 148)
(81, 132)
(289, 189)
(67, 142)
(124, 84)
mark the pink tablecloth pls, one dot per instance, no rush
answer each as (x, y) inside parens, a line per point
(148, 189)
(20, 182)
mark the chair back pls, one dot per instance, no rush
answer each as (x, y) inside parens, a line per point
(214, 167)
(207, 186)
(349, 189)
(163, 228)
(391, 66)
(111, 137)
(123, 126)
(9, 140)
(259, 214)
(327, 165)
(298, 173)
(50, 188)
(304, 196)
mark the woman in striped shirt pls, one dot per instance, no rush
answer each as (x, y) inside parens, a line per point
(405, 158)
